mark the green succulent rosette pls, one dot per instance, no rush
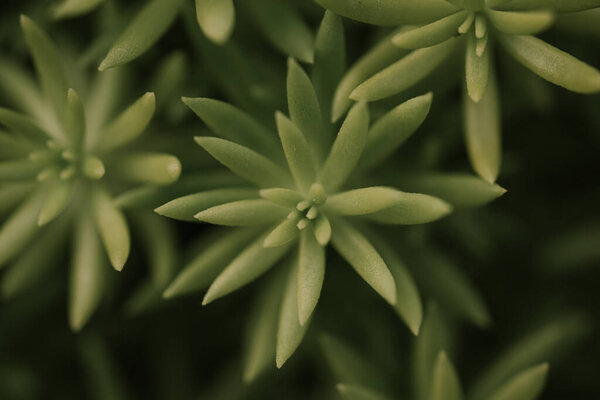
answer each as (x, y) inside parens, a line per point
(63, 162)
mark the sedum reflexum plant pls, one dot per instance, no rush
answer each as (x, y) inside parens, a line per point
(412, 53)
(305, 191)
(62, 166)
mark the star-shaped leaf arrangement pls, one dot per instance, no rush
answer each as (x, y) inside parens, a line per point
(301, 196)
(61, 165)
(475, 27)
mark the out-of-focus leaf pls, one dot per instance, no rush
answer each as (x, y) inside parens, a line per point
(101, 370)
(553, 64)
(12, 194)
(521, 23)
(22, 124)
(526, 385)
(113, 229)
(20, 169)
(363, 257)
(354, 392)
(216, 19)
(56, 201)
(243, 213)
(445, 384)
(430, 34)
(74, 8)
(155, 168)
(558, 5)
(298, 152)
(74, 120)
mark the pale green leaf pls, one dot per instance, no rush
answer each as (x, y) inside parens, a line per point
(389, 12)
(430, 34)
(20, 88)
(311, 272)
(412, 208)
(322, 230)
(298, 152)
(460, 190)
(558, 5)
(87, 276)
(184, 208)
(100, 105)
(216, 19)
(303, 106)
(243, 213)
(553, 64)
(12, 194)
(390, 131)
(245, 162)
(14, 146)
(283, 26)
(147, 27)
(283, 233)
(483, 132)
(363, 257)
(283, 197)
(289, 331)
(210, 261)
(48, 65)
(235, 125)
(262, 329)
(113, 229)
(526, 385)
(56, 201)
(129, 125)
(405, 72)
(20, 169)
(251, 263)
(74, 120)
(355, 392)
(477, 69)
(74, 8)
(346, 149)
(364, 200)
(521, 23)
(155, 168)
(445, 383)
(22, 124)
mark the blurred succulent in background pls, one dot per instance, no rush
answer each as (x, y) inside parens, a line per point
(62, 166)
(410, 54)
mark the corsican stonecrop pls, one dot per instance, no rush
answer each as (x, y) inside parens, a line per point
(63, 161)
(474, 27)
(306, 189)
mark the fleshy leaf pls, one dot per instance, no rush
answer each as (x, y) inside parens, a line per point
(390, 131)
(147, 27)
(74, 8)
(216, 19)
(113, 229)
(355, 392)
(521, 23)
(19, 169)
(404, 73)
(289, 332)
(553, 64)
(74, 120)
(251, 263)
(22, 124)
(184, 208)
(322, 230)
(130, 124)
(56, 201)
(347, 148)
(430, 34)
(210, 261)
(482, 131)
(412, 208)
(12, 195)
(283, 197)
(155, 168)
(87, 278)
(364, 200)
(445, 383)
(297, 151)
(245, 162)
(477, 69)
(283, 233)
(243, 213)
(558, 5)
(526, 385)
(311, 272)
(363, 257)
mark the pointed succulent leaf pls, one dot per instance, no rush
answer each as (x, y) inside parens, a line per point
(557, 5)
(521, 23)
(100, 106)
(56, 201)
(48, 65)
(363, 201)
(552, 64)
(389, 12)
(282, 25)
(87, 278)
(404, 73)
(184, 208)
(22, 124)
(526, 385)
(243, 213)
(283, 233)
(210, 261)
(233, 124)
(19, 87)
(262, 329)
(155, 168)
(289, 332)
(74, 120)
(355, 392)
(412, 208)
(445, 383)
(245, 162)
(322, 230)
(129, 125)
(19, 169)
(311, 272)
(477, 68)
(216, 19)
(346, 149)
(12, 147)
(74, 8)
(113, 229)
(12, 195)
(20, 227)
(363, 257)
(430, 34)
(147, 27)
(300, 157)
(283, 197)
(251, 263)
